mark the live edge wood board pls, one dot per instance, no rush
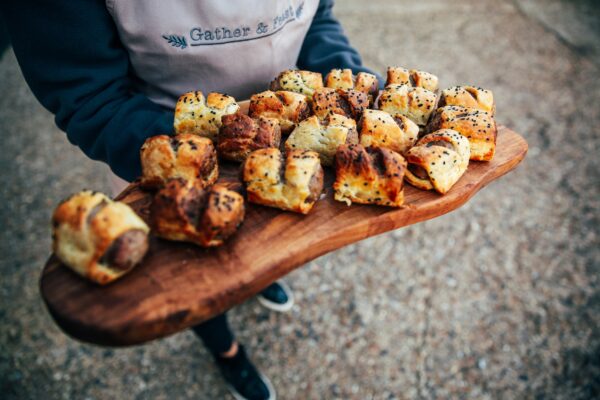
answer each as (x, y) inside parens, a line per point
(179, 285)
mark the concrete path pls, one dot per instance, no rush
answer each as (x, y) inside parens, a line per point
(498, 300)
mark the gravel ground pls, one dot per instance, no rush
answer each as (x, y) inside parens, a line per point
(498, 300)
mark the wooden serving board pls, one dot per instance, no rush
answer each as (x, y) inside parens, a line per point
(179, 285)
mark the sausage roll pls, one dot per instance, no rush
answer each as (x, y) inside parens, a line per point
(240, 135)
(349, 103)
(183, 211)
(476, 125)
(362, 82)
(416, 103)
(413, 77)
(186, 156)
(324, 137)
(200, 116)
(293, 184)
(470, 97)
(303, 82)
(378, 128)
(97, 237)
(288, 108)
(371, 175)
(438, 160)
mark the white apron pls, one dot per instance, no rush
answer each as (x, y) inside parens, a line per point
(230, 46)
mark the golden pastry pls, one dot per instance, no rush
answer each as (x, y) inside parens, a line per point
(371, 175)
(182, 211)
(199, 116)
(186, 156)
(438, 160)
(413, 77)
(416, 103)
(288, 108)
(97, 237)
(324, 136)
(240, 135)
(362, 82)
(303, 82)
(378, 128)
(349, 103)
(468, 96)
(294, 183)
(476, 125)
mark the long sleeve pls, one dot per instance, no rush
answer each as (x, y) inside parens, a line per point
(74, 63)
(326, 46)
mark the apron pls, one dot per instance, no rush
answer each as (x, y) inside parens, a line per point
(234, 47)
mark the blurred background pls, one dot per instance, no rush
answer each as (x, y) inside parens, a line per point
(497, 300)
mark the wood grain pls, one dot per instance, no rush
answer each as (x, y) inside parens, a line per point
(179, 285)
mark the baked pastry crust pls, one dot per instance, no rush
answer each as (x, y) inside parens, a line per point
(468, 96)
(288, 108)
(186, 156)
(98, 238)
(362, 82)
(299, 81)
(240, 135)
(323, 136)
(202, 116)
(416, 103)
(438, 160)
(371, 175)
(476, 125)
(182, 211)
(397, 133)
(293, 184)
(349, 103)
(413, 77)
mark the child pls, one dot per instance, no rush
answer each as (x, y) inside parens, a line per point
(111, 71)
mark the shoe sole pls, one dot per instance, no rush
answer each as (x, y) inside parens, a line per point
(285, 307)
(268, 384)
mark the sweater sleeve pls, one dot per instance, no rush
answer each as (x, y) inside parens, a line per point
(326, 46)
(76, 66)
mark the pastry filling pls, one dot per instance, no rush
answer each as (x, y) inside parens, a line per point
(193, 205)
(94, 211)
(377, 159)
(352, 136)
(281, 169)
(126, 251)
(400, 123)
(473, 93)
(441, 143)
(344, 106)
(418, 171)
(315, 186)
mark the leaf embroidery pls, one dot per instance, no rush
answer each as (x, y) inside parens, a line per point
(299, 10)
(176, 41)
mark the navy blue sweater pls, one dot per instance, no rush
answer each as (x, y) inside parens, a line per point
(78, 69)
